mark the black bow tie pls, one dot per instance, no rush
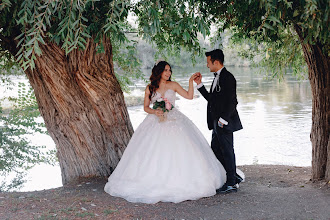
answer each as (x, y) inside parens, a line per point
(215, 74)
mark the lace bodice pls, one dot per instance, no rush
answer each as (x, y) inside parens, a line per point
(169, 94)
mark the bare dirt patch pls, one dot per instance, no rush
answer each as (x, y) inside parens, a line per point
(269, 192)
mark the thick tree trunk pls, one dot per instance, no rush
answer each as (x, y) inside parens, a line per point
(83, 108)
(319, 77)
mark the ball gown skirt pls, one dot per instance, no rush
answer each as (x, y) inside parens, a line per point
(167, 161)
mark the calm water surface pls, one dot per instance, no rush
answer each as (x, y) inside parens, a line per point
(276, 117)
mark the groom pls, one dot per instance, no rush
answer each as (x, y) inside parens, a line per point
(222, 116)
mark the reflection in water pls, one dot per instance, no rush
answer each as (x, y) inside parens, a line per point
(276, 118)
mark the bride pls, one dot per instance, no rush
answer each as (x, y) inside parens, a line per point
(168, 161)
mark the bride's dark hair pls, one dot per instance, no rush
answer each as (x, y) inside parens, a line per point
(156, 75)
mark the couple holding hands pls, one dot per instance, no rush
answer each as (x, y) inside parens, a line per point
(171, 161)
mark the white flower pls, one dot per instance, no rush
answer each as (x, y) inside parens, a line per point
(159, 100)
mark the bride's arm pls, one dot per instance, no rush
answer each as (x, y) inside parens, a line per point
(184, 93)
(147, 103)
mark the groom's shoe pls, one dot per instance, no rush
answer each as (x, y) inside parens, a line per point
(227, 189)
(239, 179)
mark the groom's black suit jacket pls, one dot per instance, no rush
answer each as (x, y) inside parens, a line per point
(222, 102)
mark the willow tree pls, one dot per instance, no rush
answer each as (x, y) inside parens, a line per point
(65, 48)
(288, 30)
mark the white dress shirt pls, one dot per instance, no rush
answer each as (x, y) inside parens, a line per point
(215, 81)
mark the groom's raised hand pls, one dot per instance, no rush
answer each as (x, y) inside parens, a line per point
(198, 78)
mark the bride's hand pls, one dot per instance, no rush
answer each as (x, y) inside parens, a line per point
(159, 113)
(193, 76)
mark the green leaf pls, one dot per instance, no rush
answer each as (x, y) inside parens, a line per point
(295, 13)
(81, 44)
(37, 48)
(268, 26)
(84, 19)
(85, 34)
(40, 39)
(274, 19)
(28, 52)
(19, 36)
(75, 23)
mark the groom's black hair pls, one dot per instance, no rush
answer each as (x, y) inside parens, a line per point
(216, 54)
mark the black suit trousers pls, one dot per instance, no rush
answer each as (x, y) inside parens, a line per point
(222, 145)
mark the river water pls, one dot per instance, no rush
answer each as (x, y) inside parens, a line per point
(276, 117)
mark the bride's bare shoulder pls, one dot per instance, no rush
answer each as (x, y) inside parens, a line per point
(173, 85)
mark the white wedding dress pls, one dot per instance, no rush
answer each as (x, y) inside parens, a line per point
(167, 161)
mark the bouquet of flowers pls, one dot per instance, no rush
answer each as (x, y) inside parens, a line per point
(164, 105)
